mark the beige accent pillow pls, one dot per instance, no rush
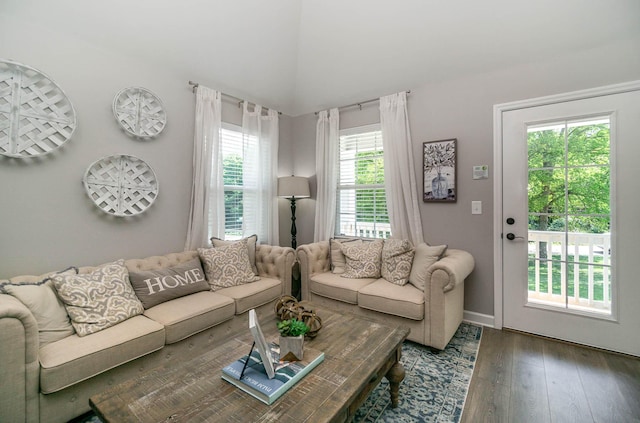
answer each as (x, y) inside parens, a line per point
(397, 257)
(363, 260)
(338, 261)
(251, 245)
(98, 300)
(41, 299)
(425, 256)
(227, 266)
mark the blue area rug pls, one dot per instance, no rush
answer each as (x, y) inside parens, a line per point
(435, 385)
(434, 388)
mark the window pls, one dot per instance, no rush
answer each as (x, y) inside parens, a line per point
(361, 199)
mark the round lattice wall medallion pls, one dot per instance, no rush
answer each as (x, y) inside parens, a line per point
(121, 185)
(139, 112)
(36, 117)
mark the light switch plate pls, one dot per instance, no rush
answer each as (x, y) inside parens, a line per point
(476, 207)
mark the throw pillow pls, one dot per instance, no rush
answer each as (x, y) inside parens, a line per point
(153, 287)
(425, 256)
(227, 266)
(338, 261)
(251, 245)
(363, 260)
(397, 256)
(100, 299)
(49, 312)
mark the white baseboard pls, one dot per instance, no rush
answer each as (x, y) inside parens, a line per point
(478, 318)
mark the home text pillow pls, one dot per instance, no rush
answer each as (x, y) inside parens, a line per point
(363, 260)
(424, 257)
(397, 257)
(98, 300)
(41, 299)
(338, 261)
(251, 246)
(153, 287)
(227, 266)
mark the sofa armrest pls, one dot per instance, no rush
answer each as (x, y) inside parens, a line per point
(19, 366)
(456, 264)
(313, 258)
(276, 262)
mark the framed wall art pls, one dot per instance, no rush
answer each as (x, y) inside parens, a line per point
(439, 171)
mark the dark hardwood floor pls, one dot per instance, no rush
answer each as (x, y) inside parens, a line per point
(520, 378)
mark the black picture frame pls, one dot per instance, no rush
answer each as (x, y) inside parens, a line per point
(439, 158)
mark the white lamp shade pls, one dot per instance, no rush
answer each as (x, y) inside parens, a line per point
(293, 187)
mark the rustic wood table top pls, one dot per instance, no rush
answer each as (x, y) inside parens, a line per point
(359, 352)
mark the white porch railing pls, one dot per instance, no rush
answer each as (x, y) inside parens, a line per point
(557, 246)
(366, 229)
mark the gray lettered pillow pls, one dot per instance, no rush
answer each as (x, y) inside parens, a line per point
(98, 300)
(227, 266)
(50, 313)
(397, 257)
(363, 260)
(425, 256)
(251, 248)
(153, 287)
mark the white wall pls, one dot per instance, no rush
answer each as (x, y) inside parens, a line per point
(463, 109)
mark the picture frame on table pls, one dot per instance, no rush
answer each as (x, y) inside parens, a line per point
(261, 344)
(439, 171)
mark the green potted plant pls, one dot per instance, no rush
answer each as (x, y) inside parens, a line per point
(292, 333)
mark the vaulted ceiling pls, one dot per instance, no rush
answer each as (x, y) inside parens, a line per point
(300, 56)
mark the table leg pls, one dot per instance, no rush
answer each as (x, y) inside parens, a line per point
(395, 375)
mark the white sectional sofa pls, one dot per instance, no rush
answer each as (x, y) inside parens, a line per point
(52, 382)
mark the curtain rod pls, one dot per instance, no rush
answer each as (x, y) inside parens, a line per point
(195, 86)
(360, 103)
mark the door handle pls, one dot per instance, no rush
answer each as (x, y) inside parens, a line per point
(511, 237)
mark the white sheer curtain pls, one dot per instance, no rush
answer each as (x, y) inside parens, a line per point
(259, 176)
(327, 138)
(399, 173)
(207, 188)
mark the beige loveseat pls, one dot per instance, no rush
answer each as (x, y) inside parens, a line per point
(52, 383)
(432, 314)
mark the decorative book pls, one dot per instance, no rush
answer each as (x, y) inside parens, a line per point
(255, 381)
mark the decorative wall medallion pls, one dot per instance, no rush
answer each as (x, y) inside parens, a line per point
(121, 185)
(36, 117)
(140, 112)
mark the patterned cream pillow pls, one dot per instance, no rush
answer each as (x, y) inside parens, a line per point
(227, 266)
(251, 247)
(338, 261)
(397, 256)
(363, 260)
(98, 300)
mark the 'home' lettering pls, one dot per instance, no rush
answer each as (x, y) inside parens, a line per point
(173, 281)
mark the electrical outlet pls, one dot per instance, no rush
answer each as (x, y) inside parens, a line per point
(476, 207)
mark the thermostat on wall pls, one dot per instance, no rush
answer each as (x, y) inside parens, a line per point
(481, 172)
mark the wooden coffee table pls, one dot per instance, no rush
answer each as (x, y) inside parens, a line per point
(359, 352)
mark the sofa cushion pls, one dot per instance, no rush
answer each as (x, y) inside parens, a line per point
(251, 248)
(153, 287)
(424, 257)
(41, 299)
(385, 297)
(227, 266)
(254, 294)
(338, 261)
(100, 299)
(336, 287)
(397, 256)
(185, 316)
(74, 359)
(363, 261)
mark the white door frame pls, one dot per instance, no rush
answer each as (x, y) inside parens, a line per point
(498, 111)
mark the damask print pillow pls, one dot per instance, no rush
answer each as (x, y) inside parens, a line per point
(98, 300)
(251, 247)
(363, 260)
(397, 257)
(338, 261)
(227, 266)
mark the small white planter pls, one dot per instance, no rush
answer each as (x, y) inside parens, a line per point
(291, 348)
